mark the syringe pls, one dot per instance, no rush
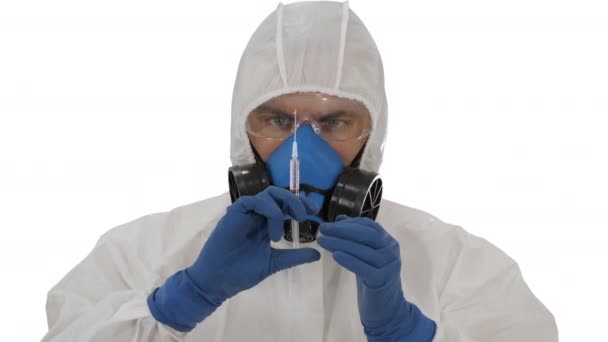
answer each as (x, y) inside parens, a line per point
(294, 181)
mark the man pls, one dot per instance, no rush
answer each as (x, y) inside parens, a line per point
(221, 271)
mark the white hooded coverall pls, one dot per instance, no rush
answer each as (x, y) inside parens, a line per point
(471, 289)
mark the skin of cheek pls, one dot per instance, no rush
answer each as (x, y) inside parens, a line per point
(347, 150)
(264, 146)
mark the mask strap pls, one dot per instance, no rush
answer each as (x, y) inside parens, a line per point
(258, 159)
(355, 163)
(309, 188)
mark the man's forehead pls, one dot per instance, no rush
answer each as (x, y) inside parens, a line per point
(314, 101)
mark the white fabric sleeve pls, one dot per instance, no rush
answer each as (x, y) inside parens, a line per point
(486, 299)
(104, 297)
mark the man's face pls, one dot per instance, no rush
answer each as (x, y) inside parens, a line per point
(343, 123)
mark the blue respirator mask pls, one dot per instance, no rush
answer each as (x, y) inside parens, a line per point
(336, 189)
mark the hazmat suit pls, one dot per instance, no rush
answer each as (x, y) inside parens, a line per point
(468, 287)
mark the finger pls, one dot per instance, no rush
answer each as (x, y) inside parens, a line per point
(361, 220)
(342, 217)
(373, 257)
(311, 206)
(266, 208)
(355, 232)
(281, 259)
(363, 270)
(287, 202)
(372, 277)
(315, 218)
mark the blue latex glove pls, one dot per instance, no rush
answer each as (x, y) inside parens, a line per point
(236, 257)
(363, 247)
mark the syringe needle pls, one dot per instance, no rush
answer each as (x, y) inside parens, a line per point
(294, 181)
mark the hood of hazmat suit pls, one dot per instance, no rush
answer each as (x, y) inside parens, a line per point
(470, 288)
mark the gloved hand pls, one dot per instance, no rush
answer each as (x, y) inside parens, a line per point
(236, 257)
(363, 247)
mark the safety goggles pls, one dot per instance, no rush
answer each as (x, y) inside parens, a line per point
(333, 118)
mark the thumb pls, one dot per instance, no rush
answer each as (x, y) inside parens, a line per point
(281, 259)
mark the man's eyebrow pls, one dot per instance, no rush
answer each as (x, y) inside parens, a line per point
(338, 113)
(331, 115)
(264, 108)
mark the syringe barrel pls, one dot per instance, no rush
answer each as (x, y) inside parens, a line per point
(295, 234)
(294, 176)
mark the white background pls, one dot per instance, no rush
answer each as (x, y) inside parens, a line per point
(110, 110)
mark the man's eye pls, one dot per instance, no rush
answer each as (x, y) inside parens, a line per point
(335, 123)
(279, 121)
